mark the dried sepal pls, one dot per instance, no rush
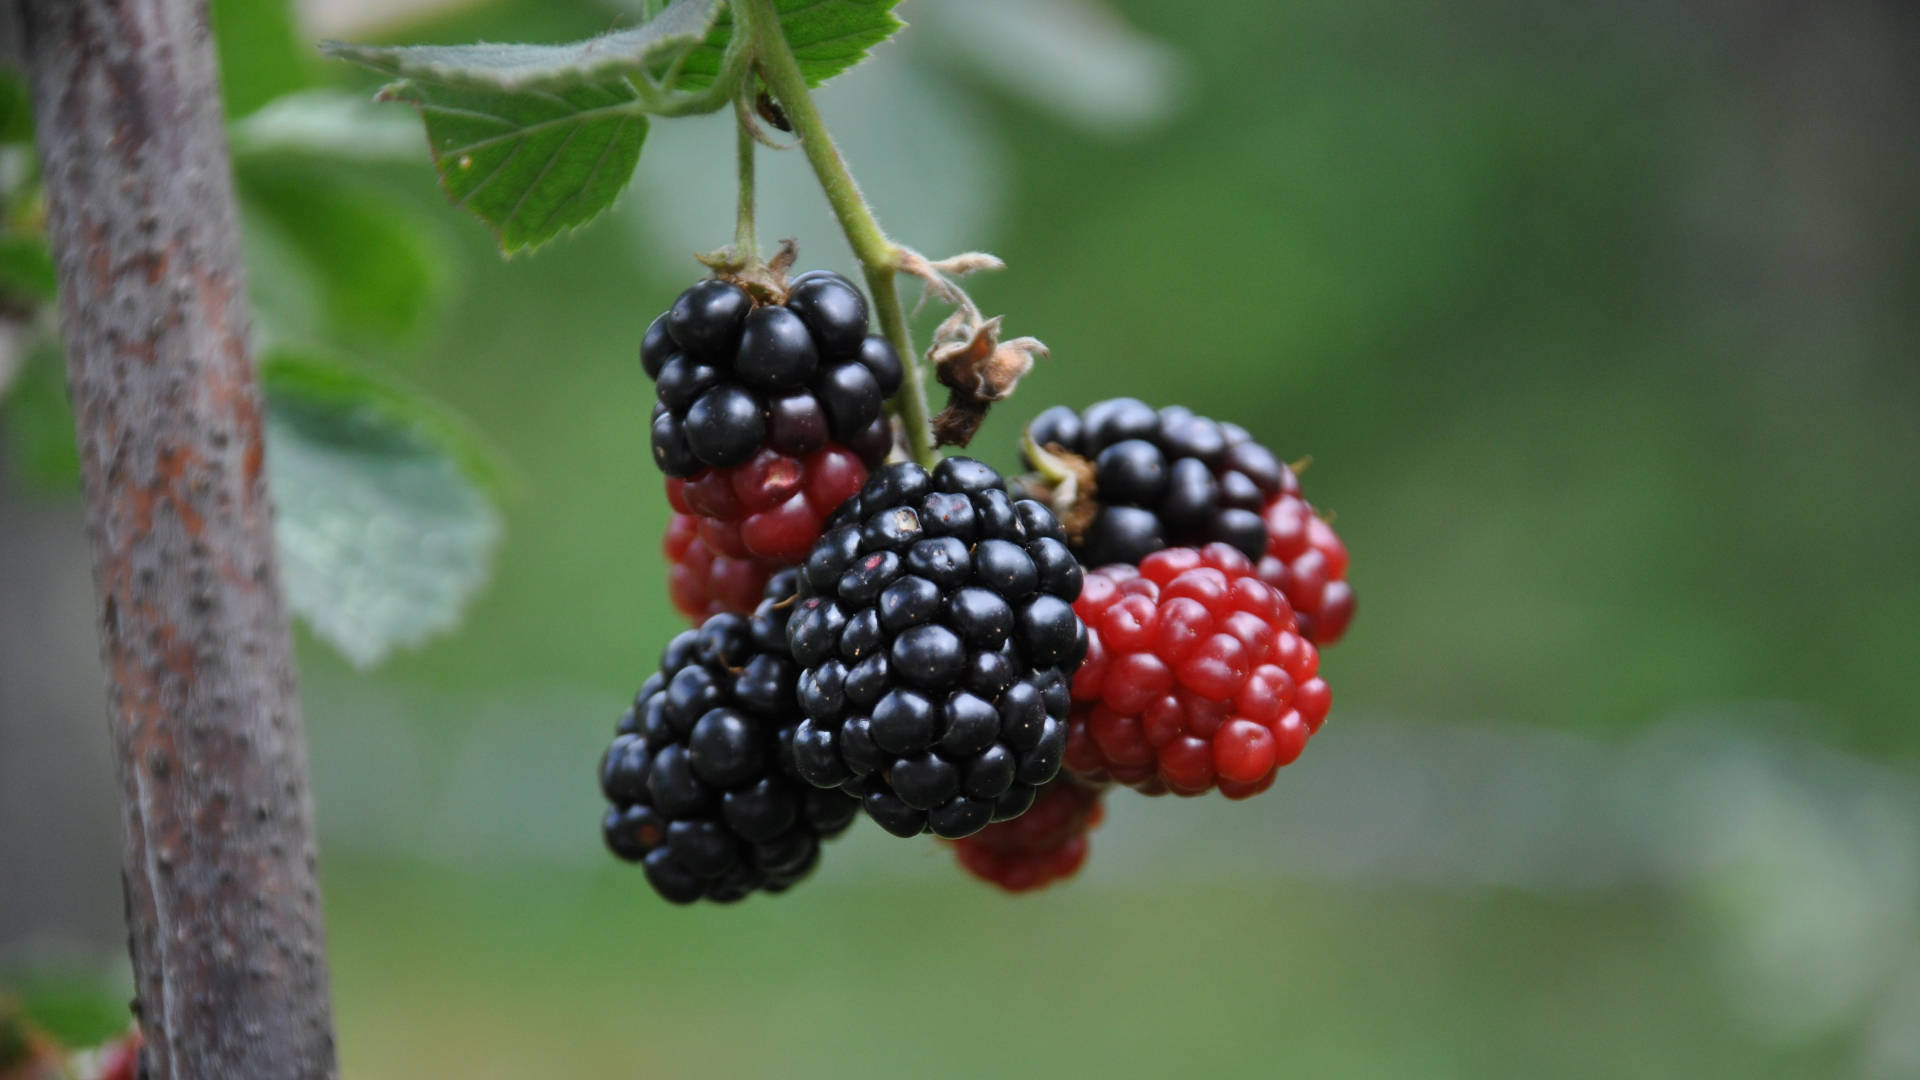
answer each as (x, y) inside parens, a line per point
(978, 369)
(764, 279)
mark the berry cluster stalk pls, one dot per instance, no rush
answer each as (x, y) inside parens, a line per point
(744, 244)
(879, 258)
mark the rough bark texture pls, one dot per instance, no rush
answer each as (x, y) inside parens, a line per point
(222, 902)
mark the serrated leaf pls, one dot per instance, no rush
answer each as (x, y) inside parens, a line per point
(521, 67)
(385, 533)
(531, 165)
(827, 37)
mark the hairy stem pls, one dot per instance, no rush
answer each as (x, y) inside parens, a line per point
(744, 246)
(879, 258)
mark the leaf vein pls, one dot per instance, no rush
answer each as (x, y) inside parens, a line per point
(491, 174)
(552, 160)
(624, 108)
(587, 182)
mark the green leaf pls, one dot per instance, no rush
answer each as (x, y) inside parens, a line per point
(827, 37)
(531, 165)
(521, 67)
(374, 267)
(261, 55)
(386, 530)
(39, 422)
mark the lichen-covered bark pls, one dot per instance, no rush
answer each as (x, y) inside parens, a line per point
(222, 902)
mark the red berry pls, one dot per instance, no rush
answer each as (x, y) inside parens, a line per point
(1196, 677)
(704, 582)
(1306, 561)
(1040, 847)
(743, 523)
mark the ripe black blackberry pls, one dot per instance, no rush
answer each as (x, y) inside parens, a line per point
(1165, 478)
(937, 640)
(733, 376)
(701, 773)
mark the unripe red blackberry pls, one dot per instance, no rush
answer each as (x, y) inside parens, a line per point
(1163, 478)
(771, 507)
(734, 376)
(1196, 677)
(703, 582)
(936, 636)
(1306, 561)
(1047, 843)
(700, 773)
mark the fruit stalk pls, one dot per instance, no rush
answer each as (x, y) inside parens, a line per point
(879, 258)
(744, 245)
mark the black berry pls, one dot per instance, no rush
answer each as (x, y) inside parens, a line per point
(701, 775)
(934, 624)
(1163, 478)
(834, 310)
(734, 377)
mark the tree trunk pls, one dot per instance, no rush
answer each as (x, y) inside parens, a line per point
(223, 912)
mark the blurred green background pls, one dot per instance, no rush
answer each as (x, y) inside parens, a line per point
(1599, 323)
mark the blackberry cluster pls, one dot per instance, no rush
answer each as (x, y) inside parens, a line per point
(1165, 478)
(1045, 844)
(733, 377)
(1196, 677)
(936, 637)
(701, 773)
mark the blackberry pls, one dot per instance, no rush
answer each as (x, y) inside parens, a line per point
(733, 377)
(700, 773)
(1166, 478)
(936, 639)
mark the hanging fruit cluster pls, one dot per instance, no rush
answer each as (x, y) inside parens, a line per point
(933, 645)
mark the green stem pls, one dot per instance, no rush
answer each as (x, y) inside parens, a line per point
(652, 100)
(743, 242)
(879, 259)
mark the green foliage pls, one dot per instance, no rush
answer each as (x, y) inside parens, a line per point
(538, 139)
(260, 53)
(72, 1010)
(517, 68)
(374, 268)
(827, 36)
(385, 527)
(26, 270)
(16, 109)
(39, 423)
(531, 165)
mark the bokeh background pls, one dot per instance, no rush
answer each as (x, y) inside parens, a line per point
(1600, 322)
